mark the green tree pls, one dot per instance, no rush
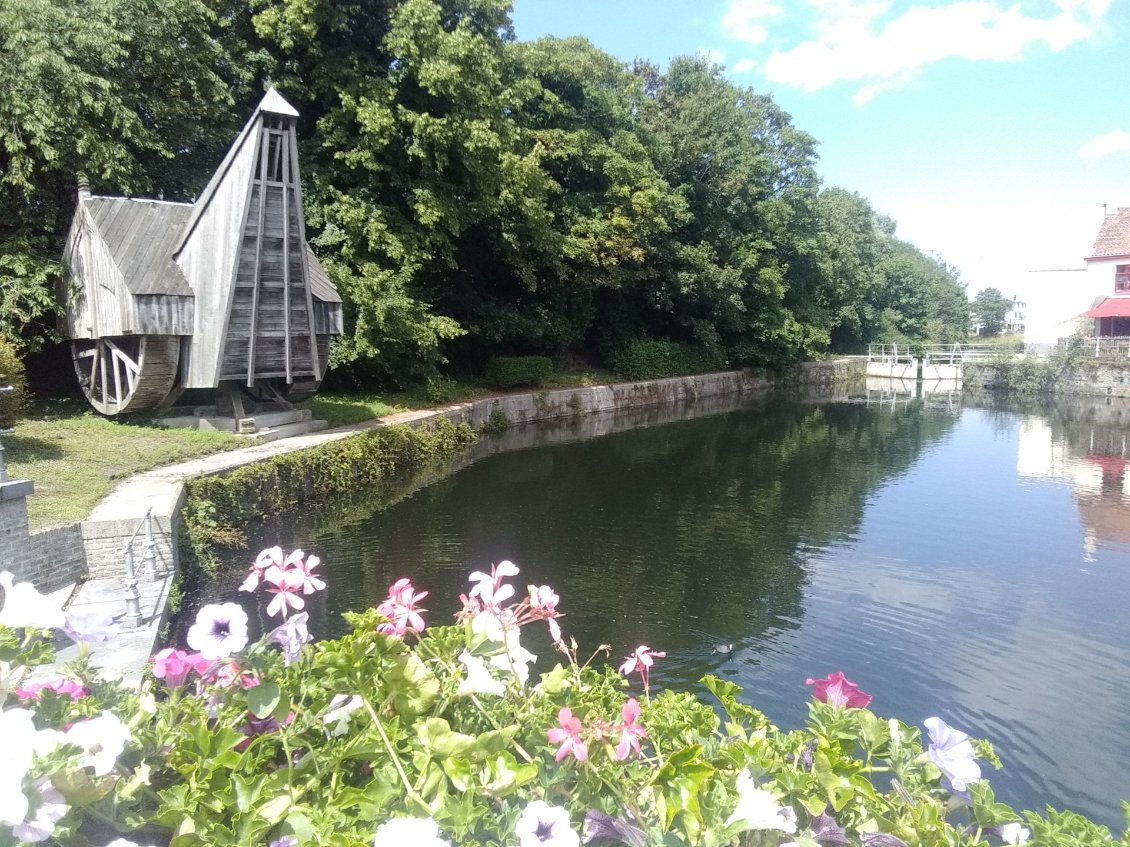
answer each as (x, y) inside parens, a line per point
(990, 308)
(136, 94)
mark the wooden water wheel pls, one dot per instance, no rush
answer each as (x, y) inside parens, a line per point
(126, 374)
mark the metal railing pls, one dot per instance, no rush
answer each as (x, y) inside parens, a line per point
(1101, 347)
(133, 615)
(951, 354)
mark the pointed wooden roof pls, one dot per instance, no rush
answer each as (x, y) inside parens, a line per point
(140, 235)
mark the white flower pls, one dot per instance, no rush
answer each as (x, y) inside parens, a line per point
(1014, 833)
(515, 658)
(339, 711)
(758, 809)
(18, 731)
(409, 832)
(478, 679)
(541, 824)
(52, 807)
(102, 739)
(24, 606)
(122, 842)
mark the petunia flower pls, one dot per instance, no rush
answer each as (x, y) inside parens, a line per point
(417, 832)
(630, 731)
(52, 807)
(953, 753)
(568, 735)
(1015, 833)
(60, 685)
(102, 739)
(93, 628)
(284, 841)
(17, 728)
(603, 827)
(174, 666)
(292, 635)
(758, 809)
(837, 690)
(826, 830)
(123, 842)
(543, 825)
(24, 606)
(220, 630)
(478, 679)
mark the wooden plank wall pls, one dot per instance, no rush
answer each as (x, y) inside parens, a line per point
(102, 306)
(208, 261)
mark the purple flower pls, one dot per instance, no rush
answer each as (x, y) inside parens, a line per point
(880, 839)
(826, 830)
(837, 690)
(541, 824)
(219, 631)
(93, 627)
(285, 841)
(292, 635)
(602, 827)
(953, 753)
(52, 807)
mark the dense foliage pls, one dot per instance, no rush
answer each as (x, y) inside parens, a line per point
(990, 309)
(403, 733)
(471, 195)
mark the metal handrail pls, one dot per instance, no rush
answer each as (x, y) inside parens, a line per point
(149, 561)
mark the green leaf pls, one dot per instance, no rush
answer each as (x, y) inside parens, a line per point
(263, 699)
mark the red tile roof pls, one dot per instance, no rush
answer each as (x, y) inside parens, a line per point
(1114, 235)
(1111, 307)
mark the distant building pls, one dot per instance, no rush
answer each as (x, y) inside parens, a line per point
(1014, 318)
(1093, 299)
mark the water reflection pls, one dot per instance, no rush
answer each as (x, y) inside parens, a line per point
(929, 550)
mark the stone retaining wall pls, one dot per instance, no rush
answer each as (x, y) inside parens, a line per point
(49, 559)
(1097, 379)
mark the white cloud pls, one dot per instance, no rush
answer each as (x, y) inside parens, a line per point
(745, 19)
(713, 55)
(857, 40)
(744, 66)
(1116, 141)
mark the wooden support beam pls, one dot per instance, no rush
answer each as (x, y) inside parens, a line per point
(314, 358)
(285, 157)
(264, 147)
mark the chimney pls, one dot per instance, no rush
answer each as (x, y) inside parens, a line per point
(1105, 216)
(83, 187)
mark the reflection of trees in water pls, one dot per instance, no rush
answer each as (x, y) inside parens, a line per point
(654, 535)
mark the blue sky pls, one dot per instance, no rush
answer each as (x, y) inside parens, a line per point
(993, 131)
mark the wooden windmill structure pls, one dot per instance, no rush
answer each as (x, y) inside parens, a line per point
(221, 294)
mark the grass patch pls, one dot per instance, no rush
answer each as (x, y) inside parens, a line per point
(342, 410)
(75, 457)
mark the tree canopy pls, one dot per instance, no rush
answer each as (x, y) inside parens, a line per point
(471, 195)
(990, 309)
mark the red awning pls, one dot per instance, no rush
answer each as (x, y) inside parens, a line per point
(1111, 307)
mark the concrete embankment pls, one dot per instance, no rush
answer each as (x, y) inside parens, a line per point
(161, 493)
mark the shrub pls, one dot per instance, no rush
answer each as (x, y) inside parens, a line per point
(512, 371)
(11, 374)
(443, 735)
(656, 358)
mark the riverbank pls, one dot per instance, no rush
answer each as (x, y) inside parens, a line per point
(97, 566)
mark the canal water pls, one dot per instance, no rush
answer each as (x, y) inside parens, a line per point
(954, 558)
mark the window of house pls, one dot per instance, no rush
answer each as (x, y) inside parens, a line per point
(1122, 278)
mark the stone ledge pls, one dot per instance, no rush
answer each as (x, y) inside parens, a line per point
(15, 489)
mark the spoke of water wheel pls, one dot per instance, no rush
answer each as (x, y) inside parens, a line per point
(93, 381)
(102, 364)
(114, 356)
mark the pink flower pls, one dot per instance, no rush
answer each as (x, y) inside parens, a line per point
(285, 585)
(272, 556)
(401, 610)
(568, 735)
(838, 690)
(630, 731)
(543, 606)
(60, 685)
(310, 581)
(173, 666)
(640, 662)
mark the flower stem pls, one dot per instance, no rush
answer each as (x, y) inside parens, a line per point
(409, 790)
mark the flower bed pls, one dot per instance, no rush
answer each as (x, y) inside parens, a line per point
(401, 733)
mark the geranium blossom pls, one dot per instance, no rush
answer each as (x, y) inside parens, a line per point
(52, 807)
(409, 832)
(568, 735)
(489, 588)
(311, 582)
(60, 685)
(953, 753)
(401, 610)
(630, 731)
(102, 739)
(543, 825)
(758, 809)
(272, 556)
(837, 690)
(292, 635)
(640, 662)
(220, 630)
(478, 679)
(514, 658)
(286, 585)
(543, 606)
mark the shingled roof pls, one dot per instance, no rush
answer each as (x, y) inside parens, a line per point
(1114, 235)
